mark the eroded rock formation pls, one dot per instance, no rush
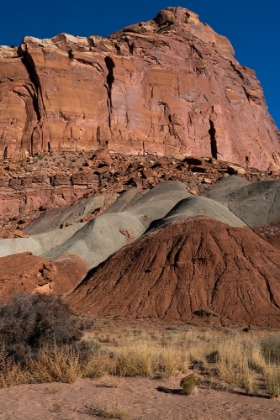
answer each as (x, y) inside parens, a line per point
(167, 86)
(197, 269)
(28, 273)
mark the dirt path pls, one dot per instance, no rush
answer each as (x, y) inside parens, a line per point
(137, 397)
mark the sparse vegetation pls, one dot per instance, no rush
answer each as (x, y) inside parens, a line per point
(30, 322)
(272, 381)
(225, 359)
(270, 347)
(42, 341)
(107, 409)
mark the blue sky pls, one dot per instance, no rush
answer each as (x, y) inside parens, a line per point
(251, 25)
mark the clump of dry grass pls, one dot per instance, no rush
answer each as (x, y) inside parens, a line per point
(59, 364)
(107, 409)
(149, 360)
(272, 381)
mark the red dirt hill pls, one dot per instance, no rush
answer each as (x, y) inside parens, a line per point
(25, 272)
(197, 270)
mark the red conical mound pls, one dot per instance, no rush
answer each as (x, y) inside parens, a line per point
(196, 269)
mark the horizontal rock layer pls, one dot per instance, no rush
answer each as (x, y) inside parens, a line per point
(170, 85)
(22, 195)
(33, 185)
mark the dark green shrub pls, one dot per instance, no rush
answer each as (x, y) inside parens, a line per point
(190, 383)
(204, 312)
(213, 357)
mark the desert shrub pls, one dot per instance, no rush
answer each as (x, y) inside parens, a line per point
(213, 357)
(190, 383)
(272, 381)
(29, 322)
(271, 349)
(205, 313)
(86, 350)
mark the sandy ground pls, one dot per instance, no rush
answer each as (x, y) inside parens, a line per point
(139, 398)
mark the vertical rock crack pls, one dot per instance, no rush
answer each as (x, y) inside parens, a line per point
(213, 141)
(110, 80)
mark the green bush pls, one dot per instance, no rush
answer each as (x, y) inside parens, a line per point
(190, 383)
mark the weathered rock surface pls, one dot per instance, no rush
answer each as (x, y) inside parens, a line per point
(40, 243)
(257, 204)
(169, 86)
(99, 238)
(20, 195)
(199, 206)
(184, 266)
(157, 202)
(270, 232)
(65, 216)
(197, 270)
(106, 234)
(28, 273)
(29, 186)
(222, 189)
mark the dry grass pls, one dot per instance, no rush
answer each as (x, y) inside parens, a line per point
(229, 359)
(272, 381)
(59, 364)
(224, 359)
(107, 409)
(149, 359)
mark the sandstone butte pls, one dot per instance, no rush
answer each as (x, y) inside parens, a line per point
(167, 86)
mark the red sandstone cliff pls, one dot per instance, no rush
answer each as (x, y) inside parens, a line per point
(167, 86)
